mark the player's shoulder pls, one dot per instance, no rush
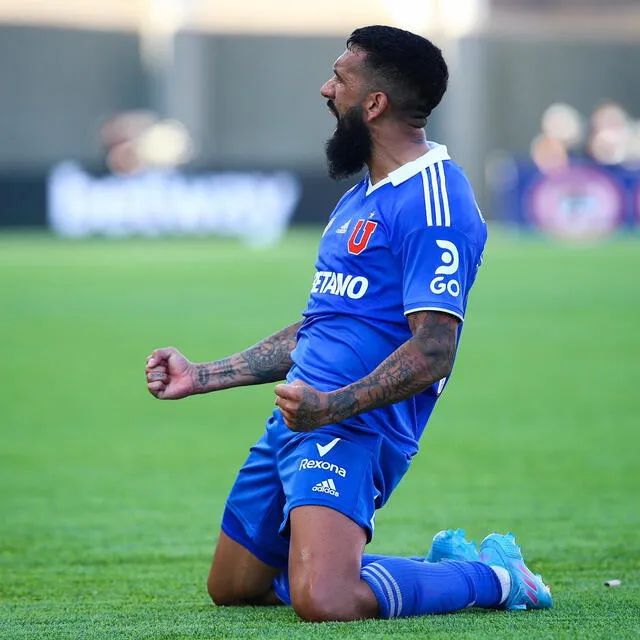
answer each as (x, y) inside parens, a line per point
(433, 191)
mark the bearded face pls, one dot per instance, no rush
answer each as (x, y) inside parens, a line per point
(350, 146)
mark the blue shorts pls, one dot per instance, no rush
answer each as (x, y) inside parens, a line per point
(350, 470)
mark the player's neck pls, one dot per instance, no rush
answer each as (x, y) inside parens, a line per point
(394, 148)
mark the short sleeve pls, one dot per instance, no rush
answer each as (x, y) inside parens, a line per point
(438, 268)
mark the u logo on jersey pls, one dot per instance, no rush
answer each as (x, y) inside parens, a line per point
(360, 236)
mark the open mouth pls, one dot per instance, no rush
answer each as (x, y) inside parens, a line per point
(333, 109)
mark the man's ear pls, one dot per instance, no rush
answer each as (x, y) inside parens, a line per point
(374, 105)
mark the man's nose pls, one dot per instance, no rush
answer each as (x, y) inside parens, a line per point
(326, 90)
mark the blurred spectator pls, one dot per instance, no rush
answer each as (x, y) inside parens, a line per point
(548, 153)
(612, 138)
(137, 140)
(562, 132)
(608, 141)
(564, 123)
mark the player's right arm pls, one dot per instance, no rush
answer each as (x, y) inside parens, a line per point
(171, 376)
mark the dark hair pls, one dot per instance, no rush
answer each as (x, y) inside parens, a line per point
(409, 68)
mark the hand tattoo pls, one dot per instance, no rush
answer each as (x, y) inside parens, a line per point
(312, 412)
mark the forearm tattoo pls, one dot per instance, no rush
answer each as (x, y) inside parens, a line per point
(267, 361)
(204, 375)
(270, 359)
(424, 359)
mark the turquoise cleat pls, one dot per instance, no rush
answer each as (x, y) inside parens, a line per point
(527, 590)
(451, 544)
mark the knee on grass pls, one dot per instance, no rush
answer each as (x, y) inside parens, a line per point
(315, 601)
(224, 593)
(221, 594)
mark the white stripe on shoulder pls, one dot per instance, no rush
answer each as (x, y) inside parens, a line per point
(445, 197)
(427, 197)
(436, 195)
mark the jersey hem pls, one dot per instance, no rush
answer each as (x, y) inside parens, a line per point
(449, 311)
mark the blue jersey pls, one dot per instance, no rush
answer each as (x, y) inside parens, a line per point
(411, 242)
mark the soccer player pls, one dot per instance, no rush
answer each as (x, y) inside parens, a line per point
(364, 369)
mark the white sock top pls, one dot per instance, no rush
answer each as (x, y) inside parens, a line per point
(505, 581)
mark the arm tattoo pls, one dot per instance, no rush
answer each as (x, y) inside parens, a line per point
(270, 359)
(204, 375)
(267, 361)
(226, 369)
(424, 359)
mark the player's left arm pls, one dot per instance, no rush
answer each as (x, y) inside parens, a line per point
(411, 369)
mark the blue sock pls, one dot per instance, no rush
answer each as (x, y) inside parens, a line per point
(405, 588)
(281, 583)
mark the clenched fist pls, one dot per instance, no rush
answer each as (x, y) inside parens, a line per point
(303, 407)
(170, 375)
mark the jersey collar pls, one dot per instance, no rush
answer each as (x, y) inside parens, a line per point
(436, 153)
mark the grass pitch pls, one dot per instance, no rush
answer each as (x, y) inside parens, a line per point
(110, 500)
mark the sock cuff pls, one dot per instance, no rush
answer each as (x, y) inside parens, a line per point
(503, 577)
(385, 588)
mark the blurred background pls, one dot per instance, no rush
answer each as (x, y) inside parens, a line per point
(160, 116)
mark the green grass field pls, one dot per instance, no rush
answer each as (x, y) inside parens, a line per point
(110, 500)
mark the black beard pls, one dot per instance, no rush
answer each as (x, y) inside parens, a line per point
(350, 147)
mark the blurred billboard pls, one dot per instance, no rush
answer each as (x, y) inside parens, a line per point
(233, 88)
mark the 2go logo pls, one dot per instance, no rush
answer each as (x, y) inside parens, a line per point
(450, 259)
